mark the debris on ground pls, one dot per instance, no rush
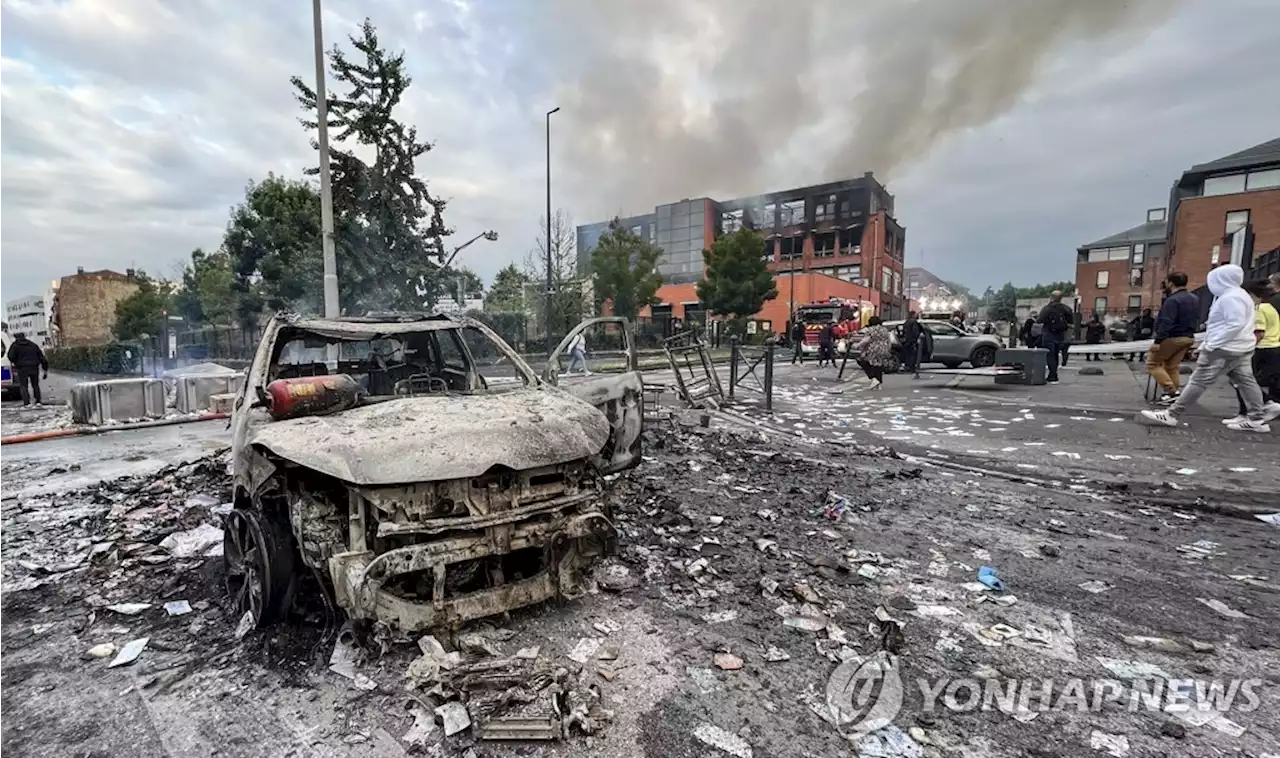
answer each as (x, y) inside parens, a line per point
(205, 539)
(129, 653)
(724, 741)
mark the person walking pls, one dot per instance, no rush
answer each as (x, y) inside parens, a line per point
(578, 354)
(797, 343)
(1027, 334)
(1055, 319)
(875, 352)
(1174, 335)
(827, 345)
(1141, 328)
(1228, 348)
(1093, 333)
(1266, 354)
(27, 360)
(910, 343)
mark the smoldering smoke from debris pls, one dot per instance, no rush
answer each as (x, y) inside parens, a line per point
(666, 99)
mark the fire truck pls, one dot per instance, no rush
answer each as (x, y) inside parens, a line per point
(848, 315)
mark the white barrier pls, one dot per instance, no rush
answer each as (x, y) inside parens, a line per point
(98, 402)
(193, 393)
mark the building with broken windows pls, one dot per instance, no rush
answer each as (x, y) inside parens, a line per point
(839, 239)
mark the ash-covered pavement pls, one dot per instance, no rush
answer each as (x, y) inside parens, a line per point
(718, 625)
(1083, 430)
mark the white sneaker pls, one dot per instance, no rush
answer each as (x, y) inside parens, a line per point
(1249, 426)
(875, 385)
(1167, 399)
(1235, 419)
(1271, 411)
(1160, 417)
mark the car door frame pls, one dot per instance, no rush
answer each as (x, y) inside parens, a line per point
(619, 396)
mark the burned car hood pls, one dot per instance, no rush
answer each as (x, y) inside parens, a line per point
(438, 437)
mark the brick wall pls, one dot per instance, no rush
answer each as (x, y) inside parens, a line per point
(86, 307)
(1117, 291)
(1201, 222)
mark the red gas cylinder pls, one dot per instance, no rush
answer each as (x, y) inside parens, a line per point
(312, 395)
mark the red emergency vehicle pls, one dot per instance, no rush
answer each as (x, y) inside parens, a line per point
(846, 314)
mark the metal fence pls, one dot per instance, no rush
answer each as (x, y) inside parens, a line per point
(751, 368)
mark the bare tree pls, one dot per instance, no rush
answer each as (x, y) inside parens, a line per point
(568, 298)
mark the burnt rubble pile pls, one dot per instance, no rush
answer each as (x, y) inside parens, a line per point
(169, 517)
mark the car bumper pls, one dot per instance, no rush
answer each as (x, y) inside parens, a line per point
(569, 544)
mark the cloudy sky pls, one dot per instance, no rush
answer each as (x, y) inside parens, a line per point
(1010, 132)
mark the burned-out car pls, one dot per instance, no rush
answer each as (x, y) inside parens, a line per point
(419, 490)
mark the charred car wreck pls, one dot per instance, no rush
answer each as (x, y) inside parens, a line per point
(421, 492)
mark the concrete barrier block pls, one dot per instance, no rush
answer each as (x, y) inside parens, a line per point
(222, 403)
(98, 402)
(1090, 371)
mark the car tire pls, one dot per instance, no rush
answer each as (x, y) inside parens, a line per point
(983, 356)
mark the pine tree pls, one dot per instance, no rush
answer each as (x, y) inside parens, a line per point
(625, 269)
(388, 229)
(737, 282)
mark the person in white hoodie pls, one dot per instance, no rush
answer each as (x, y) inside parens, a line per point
(1227, 350)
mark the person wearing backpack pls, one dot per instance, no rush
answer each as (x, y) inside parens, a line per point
(1055, 318)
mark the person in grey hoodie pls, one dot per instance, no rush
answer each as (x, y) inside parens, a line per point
(1227, 350)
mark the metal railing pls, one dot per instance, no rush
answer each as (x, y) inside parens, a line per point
(752, 359)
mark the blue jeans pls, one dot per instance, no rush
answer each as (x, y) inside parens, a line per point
(1053, 343)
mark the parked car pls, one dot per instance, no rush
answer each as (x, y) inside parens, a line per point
(953, 346)
(374, 453)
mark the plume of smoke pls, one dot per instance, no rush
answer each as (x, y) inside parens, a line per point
(665, 99)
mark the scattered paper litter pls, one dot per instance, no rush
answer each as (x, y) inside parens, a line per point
(1094, 585)
(177, 608)
(130, 652)
(585, 650)
(1111, 457)
(205, 540)
(714, 736)
(1223, 608)
(1243, 469)
(1185, 471)
(1112, 744)
(129, 609)
(1270, 518)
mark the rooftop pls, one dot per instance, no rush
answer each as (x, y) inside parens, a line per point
(1152, 231)
(1259, 155)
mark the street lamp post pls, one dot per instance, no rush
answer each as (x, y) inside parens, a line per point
(550, 344)
(326, 190)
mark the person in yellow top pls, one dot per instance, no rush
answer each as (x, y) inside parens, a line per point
(1266, 353)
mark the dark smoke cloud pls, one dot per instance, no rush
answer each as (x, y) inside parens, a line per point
(665, 99)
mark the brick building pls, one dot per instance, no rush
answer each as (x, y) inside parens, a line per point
(1119, 275)
(84, 308)
(1225, 211)
(842, 231)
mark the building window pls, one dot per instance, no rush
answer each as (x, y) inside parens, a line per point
(767, 253)
(850, 273)
(1135, 302)
(1224, 185)
(792, 248)
(824, 245)
(1103, 279)
(637, 229)
(1263, 179)
(792, 213)
(1099, 305)
(1118, 254)
(1135, 277)
(765, 216)
(731, 221)
(886, 280)
(1097, 256)
(1236, 220)
(1139, 254)
(1155, 214)
(825, 208)
(897, 283)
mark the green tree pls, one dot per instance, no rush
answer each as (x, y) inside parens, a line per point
(1044, 290)
(1003, 305)
(207, 295)
(143, 312)
(737, 282)
(625, 269)
(507, 292)
(387, 226)
(272, 244)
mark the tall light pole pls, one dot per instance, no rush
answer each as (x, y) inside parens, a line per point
(550, 345)
(326, 191)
